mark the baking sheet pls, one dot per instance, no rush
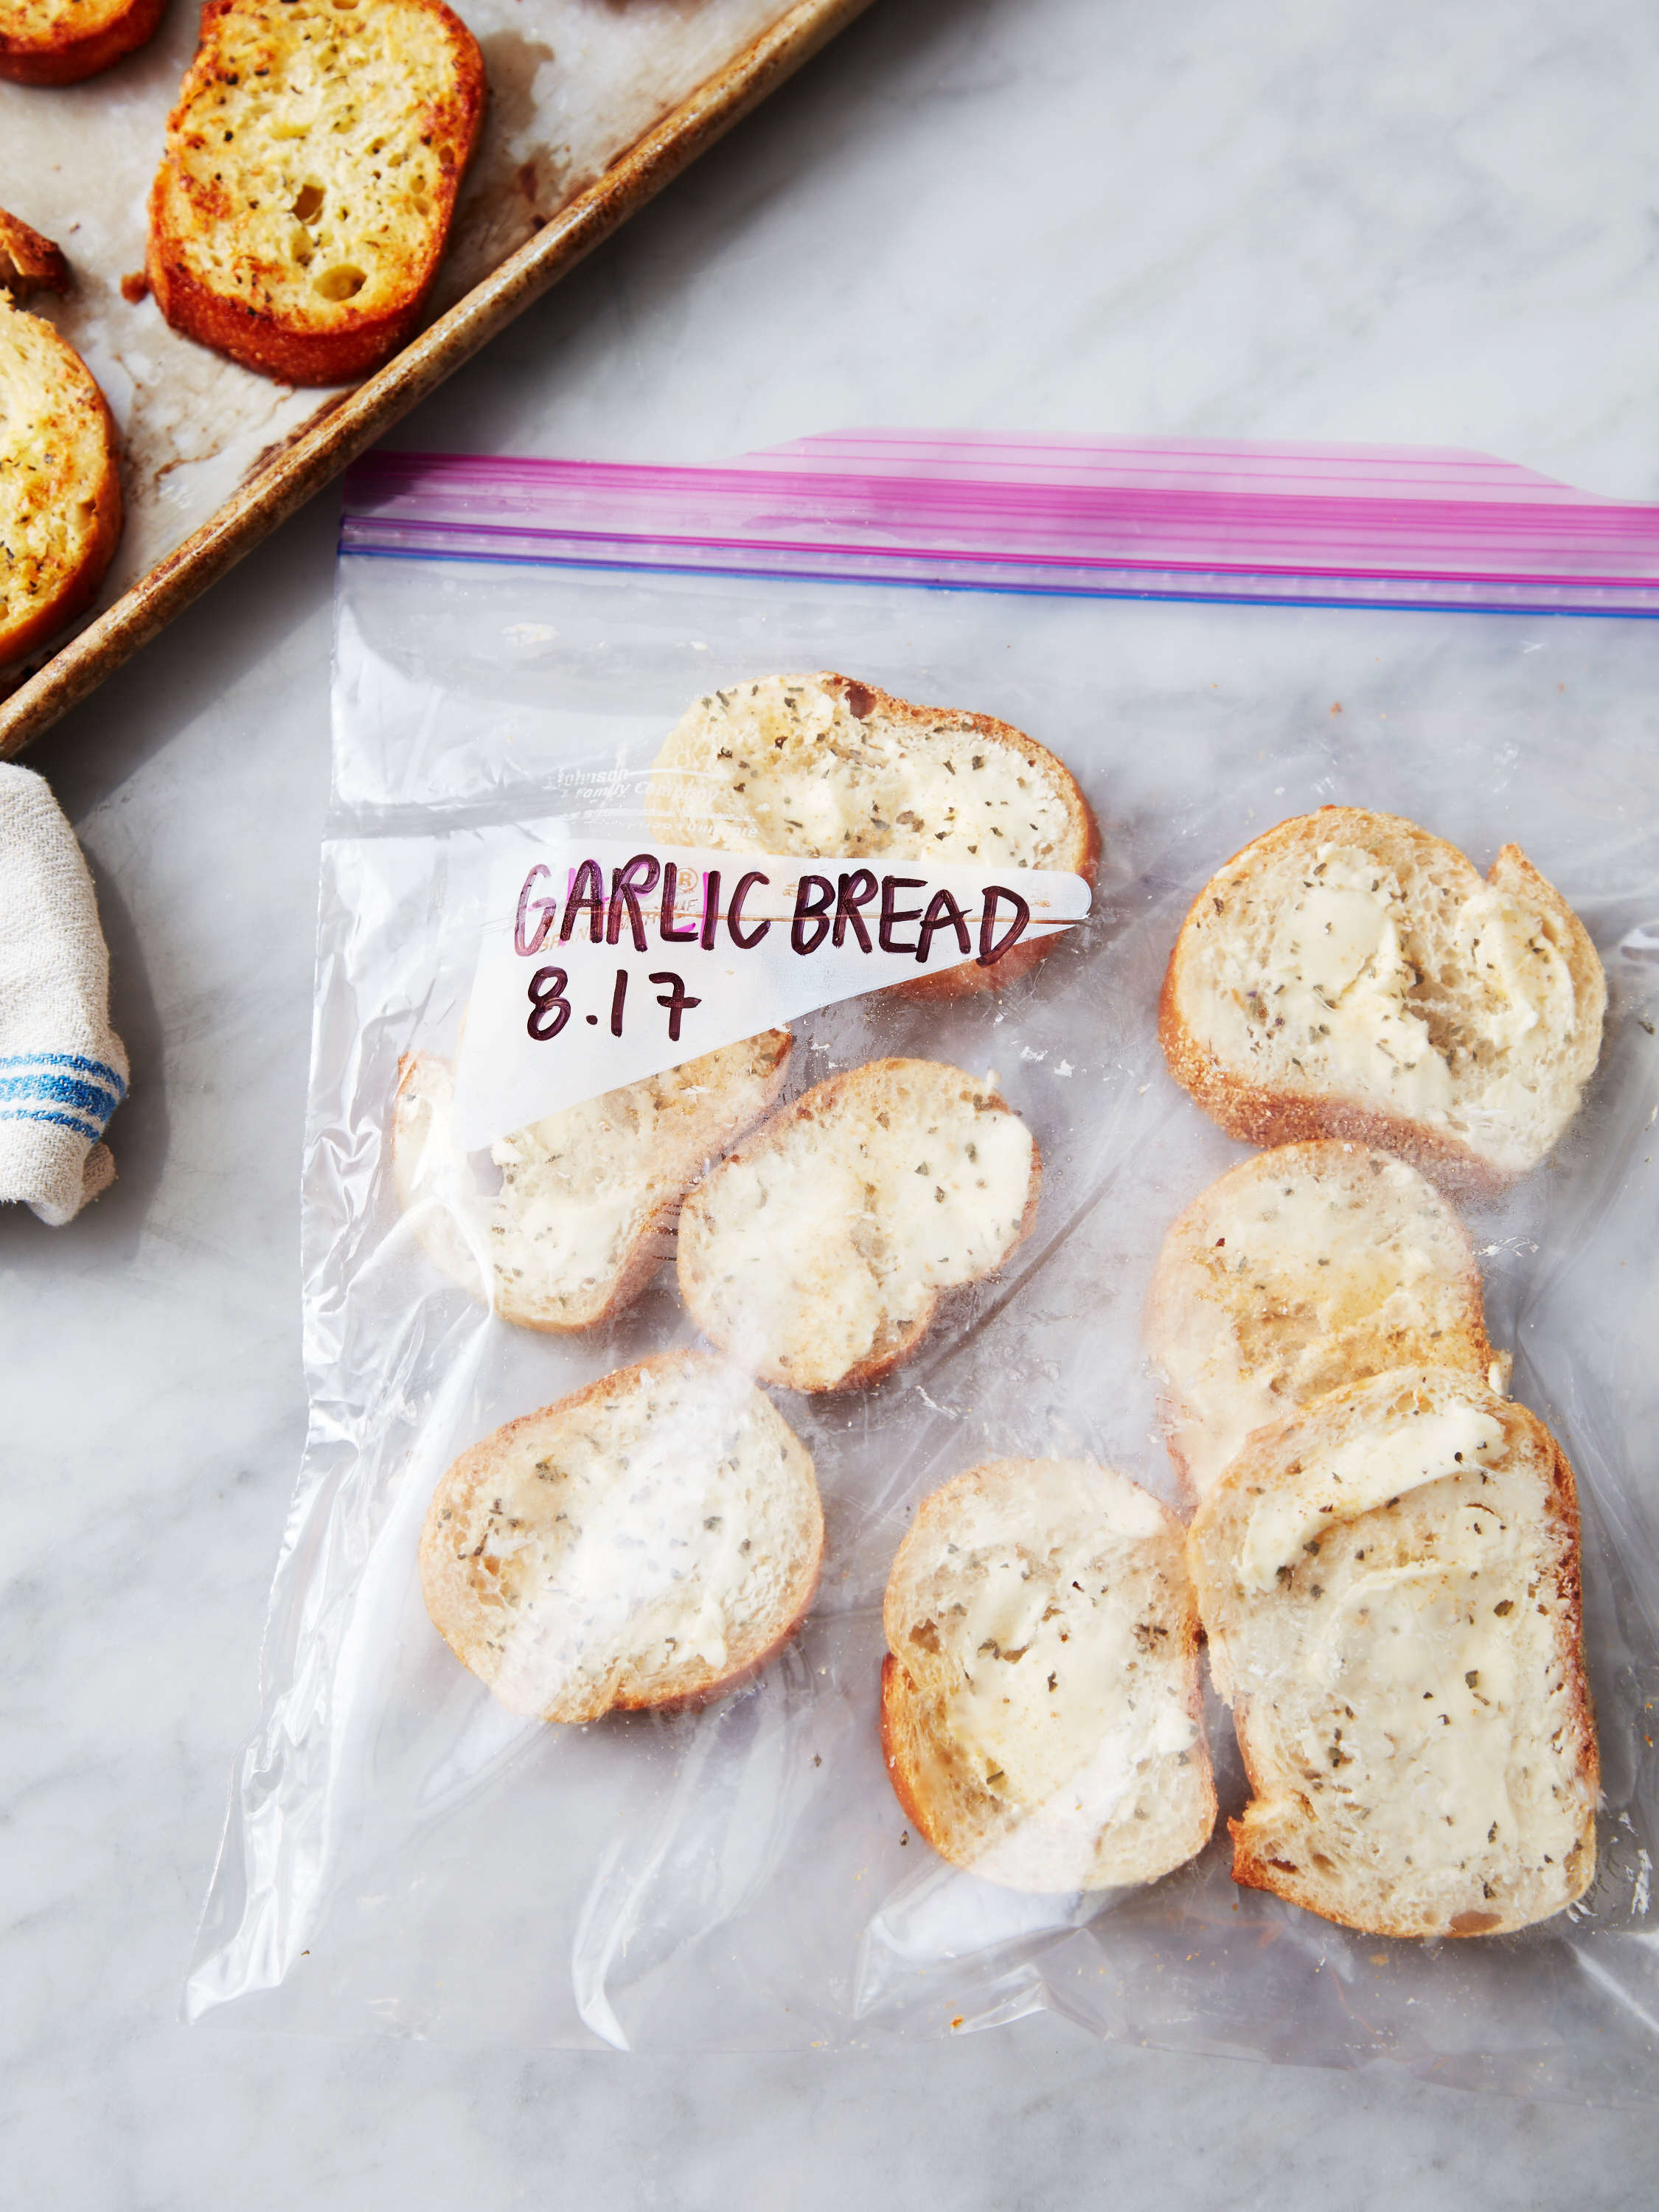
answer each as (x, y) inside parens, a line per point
(576, 86)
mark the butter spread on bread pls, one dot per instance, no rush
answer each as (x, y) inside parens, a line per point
(816, 1254)
(652, 1540)
(823, 767)
(60, 498)
(1304, 1269)
(312, 164)
(1041, 1709)
(1389, 1582)
(1349, 975)
(588, 1196)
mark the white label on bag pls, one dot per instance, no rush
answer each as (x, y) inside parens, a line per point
(604, 962)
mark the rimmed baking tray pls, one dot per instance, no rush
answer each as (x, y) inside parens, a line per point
(593, 108)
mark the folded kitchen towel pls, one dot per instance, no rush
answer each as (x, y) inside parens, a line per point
(62, 1069)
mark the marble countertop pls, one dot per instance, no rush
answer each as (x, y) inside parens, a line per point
(1433, 224)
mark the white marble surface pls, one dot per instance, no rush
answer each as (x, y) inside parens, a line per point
(1431, 223)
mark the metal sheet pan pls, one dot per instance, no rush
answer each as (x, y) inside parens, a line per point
(593, 107)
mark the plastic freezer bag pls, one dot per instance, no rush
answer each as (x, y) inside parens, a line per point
(1211, 640)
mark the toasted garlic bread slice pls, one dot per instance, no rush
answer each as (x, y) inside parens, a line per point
(588, 1196)
(1349, 976)
(60, 498)
(1040, 1710)
(825, 768)
(1389, 1582)
(1303, 1270)
(303, 202)
(653, 1540)
(816, 1254)
(62, 41)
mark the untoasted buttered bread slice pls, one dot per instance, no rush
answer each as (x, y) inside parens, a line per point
(1041, 1709)
(587, 1196)
(62, 41)
(826, 767)
(1349, 976)
(816, 1254)
(651, 1540)
(1390, 1586)
(60, 498)
(1303, 1270)
(312, 164)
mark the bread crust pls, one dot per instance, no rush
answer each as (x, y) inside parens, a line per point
(61, 57)
(822, 1104)
(1277, 1113)
(1000, 1837)
(56, 463)
(464, 1587)
(1081, 846)
(325, 342)
(1401, 1327)
(1271, 1450)
(521, 1302)
(29, 262)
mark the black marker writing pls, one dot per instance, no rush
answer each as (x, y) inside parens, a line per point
(675, 1001)
(546, 985)
(806, 911)
(639, 874)
(671, 891)
(942, 913)
(587, 889)
(892, 915)
(988, 953)
(734, 920)
(546, 908)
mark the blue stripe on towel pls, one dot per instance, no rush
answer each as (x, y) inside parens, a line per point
(62, 1120)
(88, 1098)
(82, 1066)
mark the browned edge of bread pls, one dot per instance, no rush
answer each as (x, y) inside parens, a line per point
(879, 1366)
(257, 337)
(898, 1768)
(64, 58)
(1259, 1116)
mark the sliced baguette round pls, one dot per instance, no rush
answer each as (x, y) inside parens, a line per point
(1389, 1582)
(651, 1540)
(816, 1254)
(825, 768)
(311, 163)
(1302, 1270)
(1349, 976)
(1041, 1709)
(62, 41)
(588, 1197)
(60, 496)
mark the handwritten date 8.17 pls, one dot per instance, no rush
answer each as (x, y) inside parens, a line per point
(549, 1009)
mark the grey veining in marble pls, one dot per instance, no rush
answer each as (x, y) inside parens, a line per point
(1432, 223)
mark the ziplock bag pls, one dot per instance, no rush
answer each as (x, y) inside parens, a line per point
(1212, 639)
